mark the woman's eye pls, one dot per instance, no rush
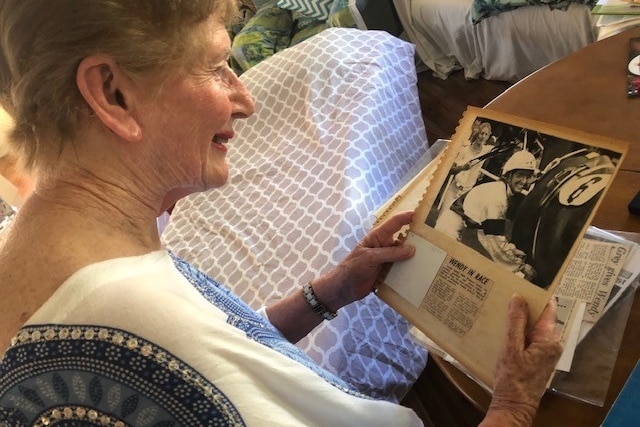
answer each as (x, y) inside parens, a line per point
(222, 70)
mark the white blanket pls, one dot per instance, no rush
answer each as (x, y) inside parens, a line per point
(337, 126)
(508, 46)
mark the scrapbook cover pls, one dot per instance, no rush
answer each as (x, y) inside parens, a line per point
(502, 214)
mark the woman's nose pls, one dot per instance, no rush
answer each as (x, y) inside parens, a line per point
(242, 100)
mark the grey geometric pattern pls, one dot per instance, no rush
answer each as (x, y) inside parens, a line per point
(337, 126)
(7, 213)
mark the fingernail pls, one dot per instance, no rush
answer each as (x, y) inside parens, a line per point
(516, 298)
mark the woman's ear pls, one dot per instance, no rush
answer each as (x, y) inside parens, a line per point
(105, 88)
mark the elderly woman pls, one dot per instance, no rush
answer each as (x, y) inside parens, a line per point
(121, 108)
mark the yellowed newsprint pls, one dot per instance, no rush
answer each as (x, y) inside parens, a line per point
(501, 215)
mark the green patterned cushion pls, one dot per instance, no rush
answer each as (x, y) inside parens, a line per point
(273, 29)
(307, 32)
(259, 4)
(302, 21)
(318, 9)
(482, 9)
(341, 16)
(267, 32)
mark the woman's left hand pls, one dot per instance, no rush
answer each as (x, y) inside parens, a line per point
(355, 277)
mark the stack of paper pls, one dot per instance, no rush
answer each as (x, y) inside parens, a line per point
(601, 271)
(615, 16)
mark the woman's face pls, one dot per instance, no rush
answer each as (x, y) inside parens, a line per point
(519, 179)
(483, 136)
(192, 119)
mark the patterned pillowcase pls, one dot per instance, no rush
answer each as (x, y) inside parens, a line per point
(324, 108)
(482, 9)
(6, 215)
(318, 9)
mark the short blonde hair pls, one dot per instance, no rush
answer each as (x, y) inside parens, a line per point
(43, 42)
(484, 125)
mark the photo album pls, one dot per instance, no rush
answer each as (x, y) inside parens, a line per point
(502, 210)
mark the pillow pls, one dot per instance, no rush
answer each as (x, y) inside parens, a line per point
(482, 9)
(337, 127)
(267, 32)
(318, 9)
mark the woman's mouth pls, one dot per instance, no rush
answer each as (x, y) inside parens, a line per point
(219, 139)
(219, 143)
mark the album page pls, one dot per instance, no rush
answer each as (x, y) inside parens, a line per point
(501, 215)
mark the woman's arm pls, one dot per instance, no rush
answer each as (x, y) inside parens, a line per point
(352, 280)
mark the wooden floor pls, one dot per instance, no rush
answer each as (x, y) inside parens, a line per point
(444, 101)
(433, 398)
(438, 403)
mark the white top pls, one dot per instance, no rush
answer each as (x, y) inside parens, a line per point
(147, 296)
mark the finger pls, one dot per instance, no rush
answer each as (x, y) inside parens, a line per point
(391, 254)
(545, 327)
(517, 317)
(395, 223)
(383, 235)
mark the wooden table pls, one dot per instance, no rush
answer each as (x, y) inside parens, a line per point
(585, 91)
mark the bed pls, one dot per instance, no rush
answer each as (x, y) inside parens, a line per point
(506, 46)
(337, 128)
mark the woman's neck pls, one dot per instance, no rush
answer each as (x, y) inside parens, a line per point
(92, 212)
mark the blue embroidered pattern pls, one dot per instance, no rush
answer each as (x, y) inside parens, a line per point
(255, 326)
(69, 375)
(82, 375)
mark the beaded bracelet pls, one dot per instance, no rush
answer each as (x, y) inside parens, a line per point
(315, 304)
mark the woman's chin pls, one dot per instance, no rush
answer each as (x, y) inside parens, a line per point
(217, 180)
(172, 197)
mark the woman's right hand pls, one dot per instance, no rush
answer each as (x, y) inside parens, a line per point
(524, 366)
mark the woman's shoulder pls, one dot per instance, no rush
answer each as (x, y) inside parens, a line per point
(116, 342)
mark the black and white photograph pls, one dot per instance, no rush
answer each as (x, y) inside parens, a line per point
(521, 197)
